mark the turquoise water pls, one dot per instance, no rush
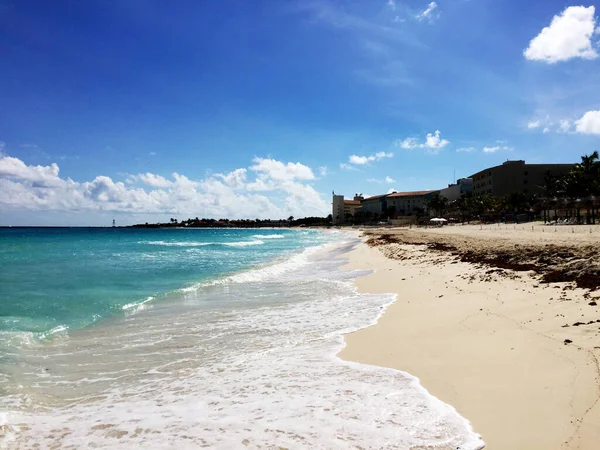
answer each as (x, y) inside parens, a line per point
(54, 279)
(161, 339)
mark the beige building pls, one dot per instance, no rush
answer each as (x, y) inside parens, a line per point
(409, 203)
(375, 205)
(463, 187)
(341, 207)
(515, 176)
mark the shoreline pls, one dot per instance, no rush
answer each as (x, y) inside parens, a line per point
(332, 403)
(517, 358)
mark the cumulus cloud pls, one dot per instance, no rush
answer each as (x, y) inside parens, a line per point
(345, 166)
(433, 142)
(429, 13)
(568, 36)
(497, 148)
(362, 160)
(533, 124)
(354, 159)
(280, 171)
(155, 180)
(589, 123)
(276, 189)
(39, 176)
(564, 126)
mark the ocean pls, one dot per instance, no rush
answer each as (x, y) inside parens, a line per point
(188, 338)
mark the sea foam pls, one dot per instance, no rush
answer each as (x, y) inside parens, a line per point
(203, 244)
(260, 370)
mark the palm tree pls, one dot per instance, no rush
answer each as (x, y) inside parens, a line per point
(438, 204)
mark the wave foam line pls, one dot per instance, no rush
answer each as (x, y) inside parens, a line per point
(136, 306)
(203, 244)
(272, 271)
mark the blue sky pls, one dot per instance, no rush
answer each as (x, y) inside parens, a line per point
(262, 108)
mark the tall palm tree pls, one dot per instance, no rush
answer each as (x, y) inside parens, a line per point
(438, 204)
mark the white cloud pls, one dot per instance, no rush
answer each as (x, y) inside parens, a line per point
(235, 179)
(323, 171)
(568, 36)
(280, 171)
(154, 180)
(362, 160)
(39, 176)
(391, 4)
(465, 149)
(387, 179)
(429, 13)
(391, 191)
(491, 149)
(152, 153)
(381, 155)
(546, 130)
(408, 143)
(565, 126)
(345, 166)
(284, 192)
(589, 123)
(533, 124)
(433, 142)
(497, 148)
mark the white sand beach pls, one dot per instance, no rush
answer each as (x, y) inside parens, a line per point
(517, 357)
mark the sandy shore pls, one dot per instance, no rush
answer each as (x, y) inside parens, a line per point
(514, 355)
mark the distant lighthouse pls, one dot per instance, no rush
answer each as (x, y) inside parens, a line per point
(114, 223)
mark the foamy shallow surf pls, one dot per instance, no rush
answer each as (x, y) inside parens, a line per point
(247, 362)
(204, 244)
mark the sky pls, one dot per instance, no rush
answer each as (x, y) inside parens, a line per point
(143, 110)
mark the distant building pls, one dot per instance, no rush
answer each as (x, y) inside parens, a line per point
(409, 203)
(374, 205)
(515, 176)
(341, 208)
(461, 188)
(337, 213)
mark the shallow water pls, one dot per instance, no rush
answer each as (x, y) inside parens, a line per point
(243, 358)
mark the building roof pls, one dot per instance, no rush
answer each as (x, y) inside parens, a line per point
(375, 197)
(411, 194)
(351, 202)
(523, 164)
